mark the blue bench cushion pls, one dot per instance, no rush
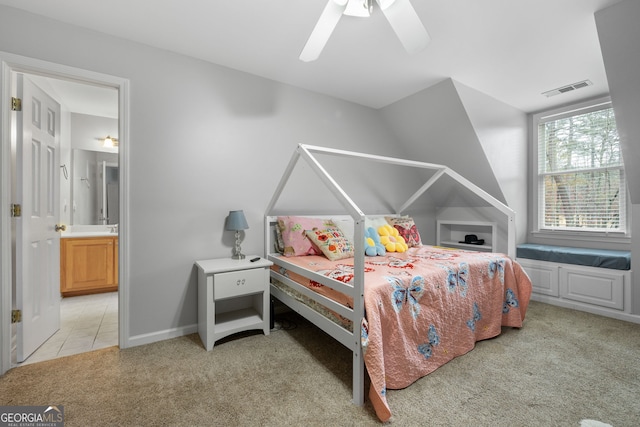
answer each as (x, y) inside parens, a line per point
(603, 258)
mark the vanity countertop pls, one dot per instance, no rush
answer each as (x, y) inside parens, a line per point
(75, 234)
(73, 231)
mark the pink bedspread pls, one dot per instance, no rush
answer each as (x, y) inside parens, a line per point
(427, 306)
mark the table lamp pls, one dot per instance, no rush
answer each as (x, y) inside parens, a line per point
(236, 222)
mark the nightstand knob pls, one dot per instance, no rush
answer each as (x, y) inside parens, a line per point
(240, 282)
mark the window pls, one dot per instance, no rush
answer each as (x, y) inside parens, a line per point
(580, 174)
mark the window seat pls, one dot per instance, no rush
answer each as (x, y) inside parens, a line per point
(602, 258)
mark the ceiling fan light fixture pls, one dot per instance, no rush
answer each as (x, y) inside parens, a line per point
(402, 17)
(358, 8)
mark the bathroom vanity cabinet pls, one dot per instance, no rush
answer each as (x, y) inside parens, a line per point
(88, 265)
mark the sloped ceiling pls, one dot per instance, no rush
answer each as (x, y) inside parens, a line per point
(433, 124)
(619, 34)
(510, 50)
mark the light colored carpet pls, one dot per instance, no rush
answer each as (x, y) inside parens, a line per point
(564, 366)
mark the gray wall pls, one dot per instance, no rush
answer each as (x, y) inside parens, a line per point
(619, 35)
(86, 131)
(479, 137)
(502, 134)
(205, 139)
(434, 125)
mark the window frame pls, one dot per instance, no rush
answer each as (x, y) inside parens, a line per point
(537, 228)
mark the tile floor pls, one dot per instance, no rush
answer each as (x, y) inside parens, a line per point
(87, 322)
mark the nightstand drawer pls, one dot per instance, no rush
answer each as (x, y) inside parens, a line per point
(234, 283)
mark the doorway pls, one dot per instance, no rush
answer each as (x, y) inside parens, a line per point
(88, 315)
(12, 64)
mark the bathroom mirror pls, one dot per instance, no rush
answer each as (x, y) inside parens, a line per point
(94, 188)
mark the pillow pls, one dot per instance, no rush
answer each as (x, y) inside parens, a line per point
(407, 229)
(374, 222)
(294, 238)
(332, 242)
(391, 239)
(346, 225)
(372, 244)
(279, 243)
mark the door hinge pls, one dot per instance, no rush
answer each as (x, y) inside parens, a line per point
(16, 104)
(16, 316)
(16, 210)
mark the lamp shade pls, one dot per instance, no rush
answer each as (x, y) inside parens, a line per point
(236, 221)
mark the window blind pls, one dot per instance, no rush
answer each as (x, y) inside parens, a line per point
(580, 172)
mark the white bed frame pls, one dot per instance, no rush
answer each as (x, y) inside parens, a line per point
(351, 339)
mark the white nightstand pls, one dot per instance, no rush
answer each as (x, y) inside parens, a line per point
(233, 296)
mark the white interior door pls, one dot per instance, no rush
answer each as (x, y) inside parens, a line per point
(37, 239)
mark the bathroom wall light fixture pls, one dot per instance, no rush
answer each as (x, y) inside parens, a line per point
(237, 222)
(110, 142)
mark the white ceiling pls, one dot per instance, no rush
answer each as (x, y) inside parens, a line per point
(512, 50)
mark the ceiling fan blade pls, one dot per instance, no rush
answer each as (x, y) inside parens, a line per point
(406, 24)
(323, 29)
(360, 8)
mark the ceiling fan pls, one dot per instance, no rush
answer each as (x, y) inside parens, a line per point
(401, 15)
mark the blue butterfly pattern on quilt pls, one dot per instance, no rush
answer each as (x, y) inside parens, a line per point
(471, 323)
(496, 266)
(458, 278)
(406, 296)
(426, 349)
(364, 337)
(510, 301)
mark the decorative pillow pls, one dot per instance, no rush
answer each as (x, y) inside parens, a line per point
(391, 239)
(407, 229)
(346, 225)
(372, 244)
(278, 244)
(374, 222)
(294, 239)
(332, 242)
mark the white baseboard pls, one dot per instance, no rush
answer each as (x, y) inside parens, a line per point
(615, 314)
(161, 335)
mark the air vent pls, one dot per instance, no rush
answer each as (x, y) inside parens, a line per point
(567, 88)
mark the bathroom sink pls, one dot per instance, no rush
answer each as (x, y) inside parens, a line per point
(88, 234)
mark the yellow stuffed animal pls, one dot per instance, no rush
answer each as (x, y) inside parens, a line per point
(391, 239)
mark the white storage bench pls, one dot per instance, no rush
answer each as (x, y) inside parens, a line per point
(593, 280)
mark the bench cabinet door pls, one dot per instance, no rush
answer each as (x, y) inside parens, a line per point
(544, 276)
(593, 286)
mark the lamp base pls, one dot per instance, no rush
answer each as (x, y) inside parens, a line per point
(237, 252)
